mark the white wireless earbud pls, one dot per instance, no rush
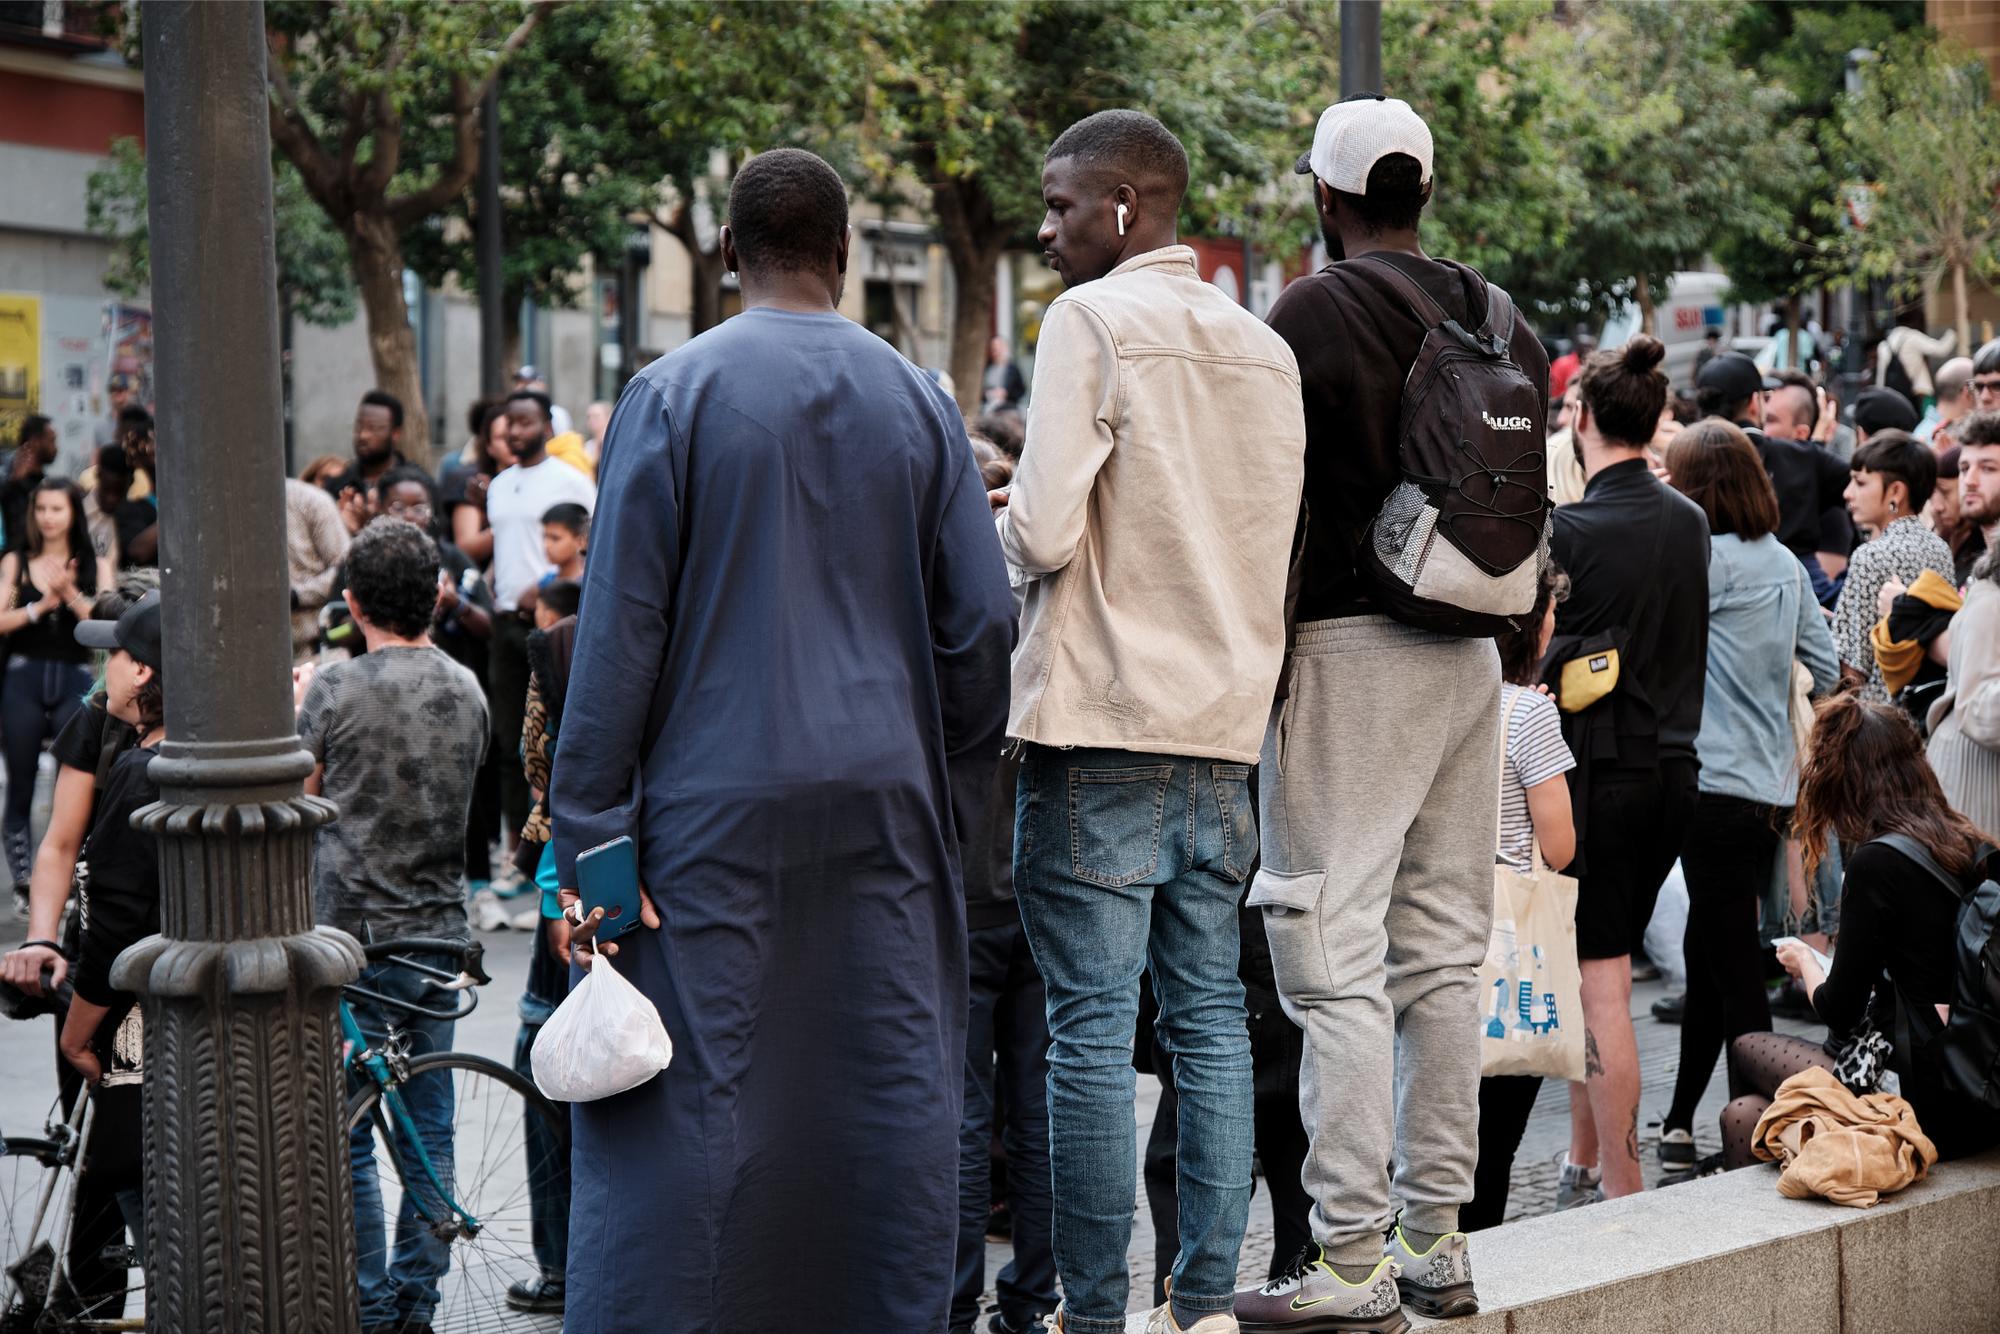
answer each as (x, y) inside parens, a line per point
(1121, 219)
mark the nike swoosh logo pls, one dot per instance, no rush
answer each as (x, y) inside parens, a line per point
(1298, 1305)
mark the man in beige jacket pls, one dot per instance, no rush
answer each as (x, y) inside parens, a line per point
(1151, 521)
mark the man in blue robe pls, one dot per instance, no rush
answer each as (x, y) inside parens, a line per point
(789, 689)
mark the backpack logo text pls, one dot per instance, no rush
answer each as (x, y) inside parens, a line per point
(1506, 423)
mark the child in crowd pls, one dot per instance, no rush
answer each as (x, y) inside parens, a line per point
(565, 542)
(1534, 804)
(557, 601)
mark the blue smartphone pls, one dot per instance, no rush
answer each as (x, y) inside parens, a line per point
(607, 877)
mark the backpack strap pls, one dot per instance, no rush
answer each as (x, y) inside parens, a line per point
(1921, 855)
(1499, 314)
(1421, 303)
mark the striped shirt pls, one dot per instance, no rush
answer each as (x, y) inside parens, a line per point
(1904, 550)
(1535, 754)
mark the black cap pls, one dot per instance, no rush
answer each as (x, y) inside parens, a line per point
(1732, 375)
(1882, 409)
(137, 631)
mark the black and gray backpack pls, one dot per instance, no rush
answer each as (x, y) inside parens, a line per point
(1967, 1044)
(1460, 544)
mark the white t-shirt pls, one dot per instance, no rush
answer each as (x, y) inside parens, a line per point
(515, 504)
(1536, 752)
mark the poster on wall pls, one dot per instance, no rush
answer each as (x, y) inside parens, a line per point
(20, 360)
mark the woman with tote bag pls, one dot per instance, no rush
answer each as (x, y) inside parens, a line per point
(1537, 837)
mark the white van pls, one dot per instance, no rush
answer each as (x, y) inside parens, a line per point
(1694, 304)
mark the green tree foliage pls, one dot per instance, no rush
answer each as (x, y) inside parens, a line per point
(313, 278)
(580, 154)
(1922, 140)
(1676, 145)
(355, 88)
(1803, 50)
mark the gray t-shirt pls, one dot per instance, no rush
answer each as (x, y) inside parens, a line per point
(401, 733)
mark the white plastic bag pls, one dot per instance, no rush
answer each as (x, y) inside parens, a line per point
(604, 1038)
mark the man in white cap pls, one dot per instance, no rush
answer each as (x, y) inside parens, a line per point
(1377, 788)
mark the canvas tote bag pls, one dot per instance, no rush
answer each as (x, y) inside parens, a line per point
(1530, 988)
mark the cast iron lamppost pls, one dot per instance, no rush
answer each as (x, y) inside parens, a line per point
(1360, 46)
(249, 1207)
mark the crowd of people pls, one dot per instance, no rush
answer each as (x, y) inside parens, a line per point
(974, 767)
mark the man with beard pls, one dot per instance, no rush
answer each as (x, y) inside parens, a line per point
(378, 436)
(1377, 788)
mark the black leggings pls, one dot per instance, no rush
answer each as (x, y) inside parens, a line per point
(1729, 856)
(1505, 1103)
(1758, 1063)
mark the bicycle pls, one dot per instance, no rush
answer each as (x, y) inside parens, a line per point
(482, 1213)
(478, 1204)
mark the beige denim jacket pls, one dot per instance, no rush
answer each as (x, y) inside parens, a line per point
(1152, 517)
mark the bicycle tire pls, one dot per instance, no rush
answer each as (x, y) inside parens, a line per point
(49, 1156)
(473, 1289)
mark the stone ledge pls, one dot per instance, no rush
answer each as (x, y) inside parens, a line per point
(1729, 1253)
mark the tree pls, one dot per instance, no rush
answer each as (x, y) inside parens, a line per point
(712, 82)
(1803, 50)
(350, 86)
(964, 98)
(313, 279)
(581, 155)
(1677, 145)
(1922, 139)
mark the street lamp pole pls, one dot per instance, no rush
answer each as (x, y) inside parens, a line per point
(249, 1206)
(492, 375)
(1360, 46)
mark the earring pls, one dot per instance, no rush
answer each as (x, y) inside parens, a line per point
(1892, 507)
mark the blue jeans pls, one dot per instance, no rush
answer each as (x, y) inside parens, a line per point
(403, 1286)
(548, 1171)
(1124, 861)
(1007, 1021)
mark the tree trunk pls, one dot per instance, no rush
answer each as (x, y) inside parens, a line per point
(706, 269)
(1642, 292)
(1793, 361)
(377, 252)
(973, 267)
(1960, 309)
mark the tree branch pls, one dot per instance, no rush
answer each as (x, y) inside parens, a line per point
(409, 209)
(294, 136)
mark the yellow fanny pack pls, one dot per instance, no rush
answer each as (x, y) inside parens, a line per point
(1587, 678)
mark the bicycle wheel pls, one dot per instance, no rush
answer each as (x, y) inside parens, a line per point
(490, 1235)
(37, 1215)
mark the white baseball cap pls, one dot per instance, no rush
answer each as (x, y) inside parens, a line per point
(1356, 133)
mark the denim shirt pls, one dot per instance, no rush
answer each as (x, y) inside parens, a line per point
(1761, 615)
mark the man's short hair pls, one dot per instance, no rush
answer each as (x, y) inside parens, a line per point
(1799, 380)
(1978, 430)
(1004, 428)
(561, 596)
(31, 426)
(1130, 145)
(1714, 402)
(1395, 200)
(392, 572)
(538, 398)
(569, 515)
(134, 420)
(1898, 456)
(787, 212)
(113, 459)
(382, 398)
(1952, 378)
(1986, 361)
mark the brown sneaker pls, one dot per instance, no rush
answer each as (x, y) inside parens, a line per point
(1310, 1298)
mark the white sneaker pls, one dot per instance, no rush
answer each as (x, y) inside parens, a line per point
(527, 921)
(487, 914)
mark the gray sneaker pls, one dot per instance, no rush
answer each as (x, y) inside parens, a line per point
(1577, 1186)
(1437, 1282)
(1310, 1298)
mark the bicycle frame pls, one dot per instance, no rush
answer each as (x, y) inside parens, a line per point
(378, 1067)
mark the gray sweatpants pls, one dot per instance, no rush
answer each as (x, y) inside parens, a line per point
(1379, 794)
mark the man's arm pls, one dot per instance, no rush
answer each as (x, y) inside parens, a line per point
(1069, 437)
(329, 540)
(972, 637)
(621, 641)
